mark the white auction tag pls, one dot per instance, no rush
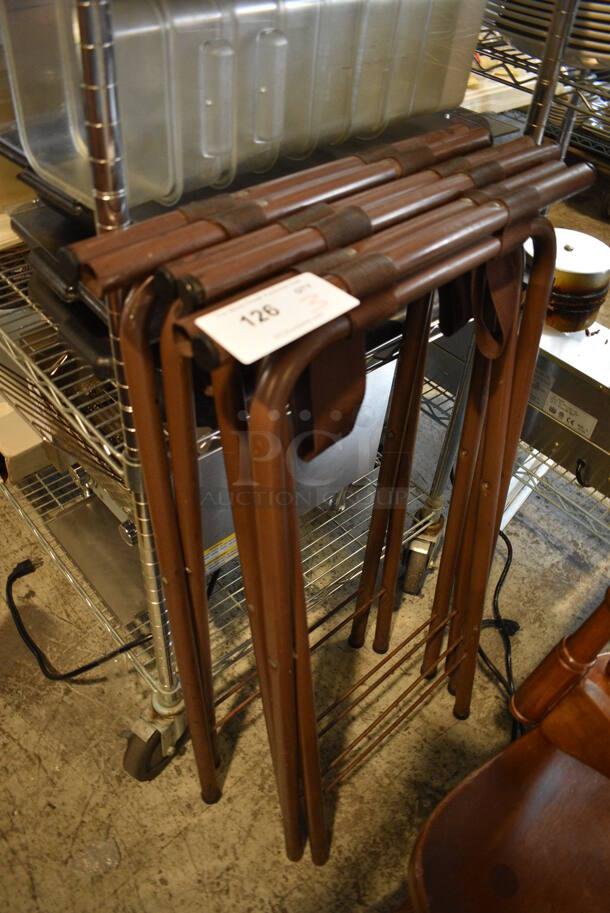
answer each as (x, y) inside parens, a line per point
(263, 322)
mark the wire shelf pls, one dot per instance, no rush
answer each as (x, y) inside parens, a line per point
(586, 506)
(437, 403)
(333, 543)
(587, 94)
(32, 342)
(332, 556)
(358, 715)
(38, 499)
(558, 486)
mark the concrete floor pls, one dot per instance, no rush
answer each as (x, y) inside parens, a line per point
(79, 835)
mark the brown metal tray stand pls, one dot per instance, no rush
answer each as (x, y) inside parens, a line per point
(396, 267)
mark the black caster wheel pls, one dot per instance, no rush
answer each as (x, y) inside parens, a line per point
(415, 574)
(145, 760)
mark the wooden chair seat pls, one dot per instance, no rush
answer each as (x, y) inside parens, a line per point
(528, 832)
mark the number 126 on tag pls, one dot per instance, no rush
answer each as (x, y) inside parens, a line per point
(264, 322)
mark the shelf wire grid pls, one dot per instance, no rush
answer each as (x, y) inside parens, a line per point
(32, 342)
(556, 485)
(361, 714)
(332, 550)
(586, 93)
(332, 556)
(37, 500)
(358, 714)
(559, 487)
(333, 545)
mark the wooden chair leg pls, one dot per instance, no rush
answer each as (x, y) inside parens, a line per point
(563, 668)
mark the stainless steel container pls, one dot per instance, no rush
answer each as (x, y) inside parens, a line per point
(209, 89)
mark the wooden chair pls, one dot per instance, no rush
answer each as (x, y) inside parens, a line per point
(529, 832)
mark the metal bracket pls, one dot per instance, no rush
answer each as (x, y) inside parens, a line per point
(170, 728)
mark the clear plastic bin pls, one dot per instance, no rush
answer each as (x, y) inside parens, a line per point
(207, 89)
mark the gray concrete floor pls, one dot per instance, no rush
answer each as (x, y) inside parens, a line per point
(79, 835)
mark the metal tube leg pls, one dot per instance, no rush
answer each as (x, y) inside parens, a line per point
(484, 539)
(280, 577)
(102, 117)
(400, 495)
(402, 391)
(306, 713)
(149, 564)
(275, 569)
(180, 413)
(146, 420)
(155, 599)
(170, 692)
(532, 324)
(112, 212)
(464, 472)
(235, 449)
(196, 710)
(560, 29)
(464, 563)
(539, 289)
(567, 126)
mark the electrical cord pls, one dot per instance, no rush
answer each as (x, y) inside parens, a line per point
(507, 629)
(23, 569)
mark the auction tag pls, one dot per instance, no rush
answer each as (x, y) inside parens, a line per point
(263, 322)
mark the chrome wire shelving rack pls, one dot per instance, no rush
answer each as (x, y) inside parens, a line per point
(582, 95)
(358, 716)
(587, 507)
(84, 405)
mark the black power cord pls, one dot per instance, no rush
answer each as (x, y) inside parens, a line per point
(23, 569)
(507, 629)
